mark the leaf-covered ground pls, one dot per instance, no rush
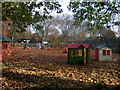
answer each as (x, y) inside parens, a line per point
(49, 69)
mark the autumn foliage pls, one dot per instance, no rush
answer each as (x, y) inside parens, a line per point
(38, 68)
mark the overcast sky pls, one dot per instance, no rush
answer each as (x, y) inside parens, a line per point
(64, 4)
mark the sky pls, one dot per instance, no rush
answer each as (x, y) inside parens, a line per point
(65, 3)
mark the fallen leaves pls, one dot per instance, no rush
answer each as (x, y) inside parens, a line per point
(39, 68)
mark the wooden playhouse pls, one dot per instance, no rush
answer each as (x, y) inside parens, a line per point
(78, 53)
(5, 45)
(103, 53)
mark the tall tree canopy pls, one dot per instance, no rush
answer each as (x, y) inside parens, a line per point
(24, 13)
(95, 12)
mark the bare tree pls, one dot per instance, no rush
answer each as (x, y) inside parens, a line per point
(65, 24)
(53, 37)
(42, 28)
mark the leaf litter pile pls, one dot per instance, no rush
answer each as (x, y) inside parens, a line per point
(38, 68)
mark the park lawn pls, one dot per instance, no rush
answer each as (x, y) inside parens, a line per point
(37, 68)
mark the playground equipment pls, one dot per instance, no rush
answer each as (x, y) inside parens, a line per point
(78, 53)
(103, 53)
(39, 45)
(42, 46)
(65, 50)
(48, 48)
(26, 46)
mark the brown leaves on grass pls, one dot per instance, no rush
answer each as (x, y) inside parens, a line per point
(49, 68)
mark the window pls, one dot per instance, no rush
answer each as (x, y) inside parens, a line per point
(106, 52)
(72, 53)
(78, 53)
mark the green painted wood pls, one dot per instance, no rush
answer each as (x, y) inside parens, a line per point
(79, 59)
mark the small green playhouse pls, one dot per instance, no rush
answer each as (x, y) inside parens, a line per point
(78, 53)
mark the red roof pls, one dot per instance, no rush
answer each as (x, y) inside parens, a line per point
(78, 45)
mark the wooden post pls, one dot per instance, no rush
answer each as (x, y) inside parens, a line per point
(84, 56)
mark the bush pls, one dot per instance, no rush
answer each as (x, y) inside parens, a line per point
(116, 50)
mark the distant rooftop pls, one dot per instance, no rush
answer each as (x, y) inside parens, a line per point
(4, 38)
(78, 45)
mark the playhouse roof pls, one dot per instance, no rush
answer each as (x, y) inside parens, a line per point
(4, 38)
(78, 45)
(100, 47)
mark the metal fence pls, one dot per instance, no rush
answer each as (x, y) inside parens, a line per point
(114, 44)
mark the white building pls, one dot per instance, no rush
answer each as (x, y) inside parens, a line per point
(103, 53)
